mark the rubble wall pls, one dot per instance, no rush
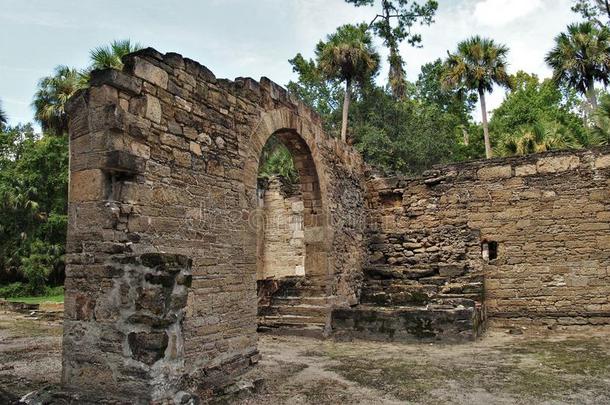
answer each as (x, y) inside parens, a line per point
(546, 215)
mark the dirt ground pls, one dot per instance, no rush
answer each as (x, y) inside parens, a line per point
(553, 368)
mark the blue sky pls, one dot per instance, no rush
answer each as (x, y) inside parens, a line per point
(246, 37)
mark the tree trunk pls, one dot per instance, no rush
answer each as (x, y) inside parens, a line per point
(346, 101)
(465, 135)
(591, 96)
(488, 151)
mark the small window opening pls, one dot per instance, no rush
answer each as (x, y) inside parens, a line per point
(489, 250)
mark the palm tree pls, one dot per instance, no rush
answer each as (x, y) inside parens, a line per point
(54, 91)
(349, 56)
(541, 137)
(580, 58)
(110, 56)
(478, 64)
(51, 97)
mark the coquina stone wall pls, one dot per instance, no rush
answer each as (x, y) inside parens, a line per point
(283, 236)
(161, 257)
(164, 236)
(545, 220)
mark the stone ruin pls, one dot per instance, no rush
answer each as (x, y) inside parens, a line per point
(173, 266)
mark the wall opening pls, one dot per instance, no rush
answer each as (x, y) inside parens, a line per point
(289, 206)
(489, 250)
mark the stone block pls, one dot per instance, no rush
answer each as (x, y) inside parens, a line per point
(602, 162)
(149, 72)
(88, 185)
(195, 148)
(495, 172)
(153, 109)
(525, 170)
(116, 79)
(557, 164)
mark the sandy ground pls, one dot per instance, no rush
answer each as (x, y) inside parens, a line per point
(553, 368)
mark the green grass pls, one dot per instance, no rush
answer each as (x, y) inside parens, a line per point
(37, 300)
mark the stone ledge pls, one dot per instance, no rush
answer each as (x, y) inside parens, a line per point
(431, 323)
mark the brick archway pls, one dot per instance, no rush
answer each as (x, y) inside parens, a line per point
(161, 264)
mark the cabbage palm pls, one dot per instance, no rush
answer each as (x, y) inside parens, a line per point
(580, 58)
(348, 56)
(54, 91)
(110, 56)
(478, 64)
(52, 95)
(541, 137)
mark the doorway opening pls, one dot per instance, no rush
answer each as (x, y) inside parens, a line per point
(290, 268)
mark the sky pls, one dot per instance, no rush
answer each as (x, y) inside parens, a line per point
(248, 37)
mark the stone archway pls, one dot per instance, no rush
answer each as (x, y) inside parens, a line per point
(298, 305)
(161, 266)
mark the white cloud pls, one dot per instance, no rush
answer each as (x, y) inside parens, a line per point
(502, 12)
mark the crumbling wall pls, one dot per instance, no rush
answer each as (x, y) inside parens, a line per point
(547, 214)
(164, 159)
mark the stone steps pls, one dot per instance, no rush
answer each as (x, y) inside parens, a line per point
(312, 311)
(444, 323)
(312, 330)
(295, 315)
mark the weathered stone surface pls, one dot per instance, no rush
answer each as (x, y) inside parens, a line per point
(153, 109)
(88, 185)
(495, 172)
(525, 170)
(547, 233)
(164, 166)
(557, 164)
(602, 162)
(149, 72)
(174, 155)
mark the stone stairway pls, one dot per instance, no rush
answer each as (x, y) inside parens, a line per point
(413, 303)
(293, 306)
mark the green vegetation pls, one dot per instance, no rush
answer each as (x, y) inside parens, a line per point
(392, 24)
(348, 56)
(3, 117)
(478, 65)
(580, 58)
(34, 183)
(55, 294)
(398, 125)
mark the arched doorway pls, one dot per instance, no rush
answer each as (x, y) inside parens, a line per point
(292, 276)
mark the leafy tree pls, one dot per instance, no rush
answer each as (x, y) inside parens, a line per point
(348, 56)
(595, 11)
(393, 25)
(540, 137)
(33, 206)
(580, 58)
(406, 136)
(533, 102)
(278, 161)
(52, 94)
(478, 64)
(110, 56)
(322, 95)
